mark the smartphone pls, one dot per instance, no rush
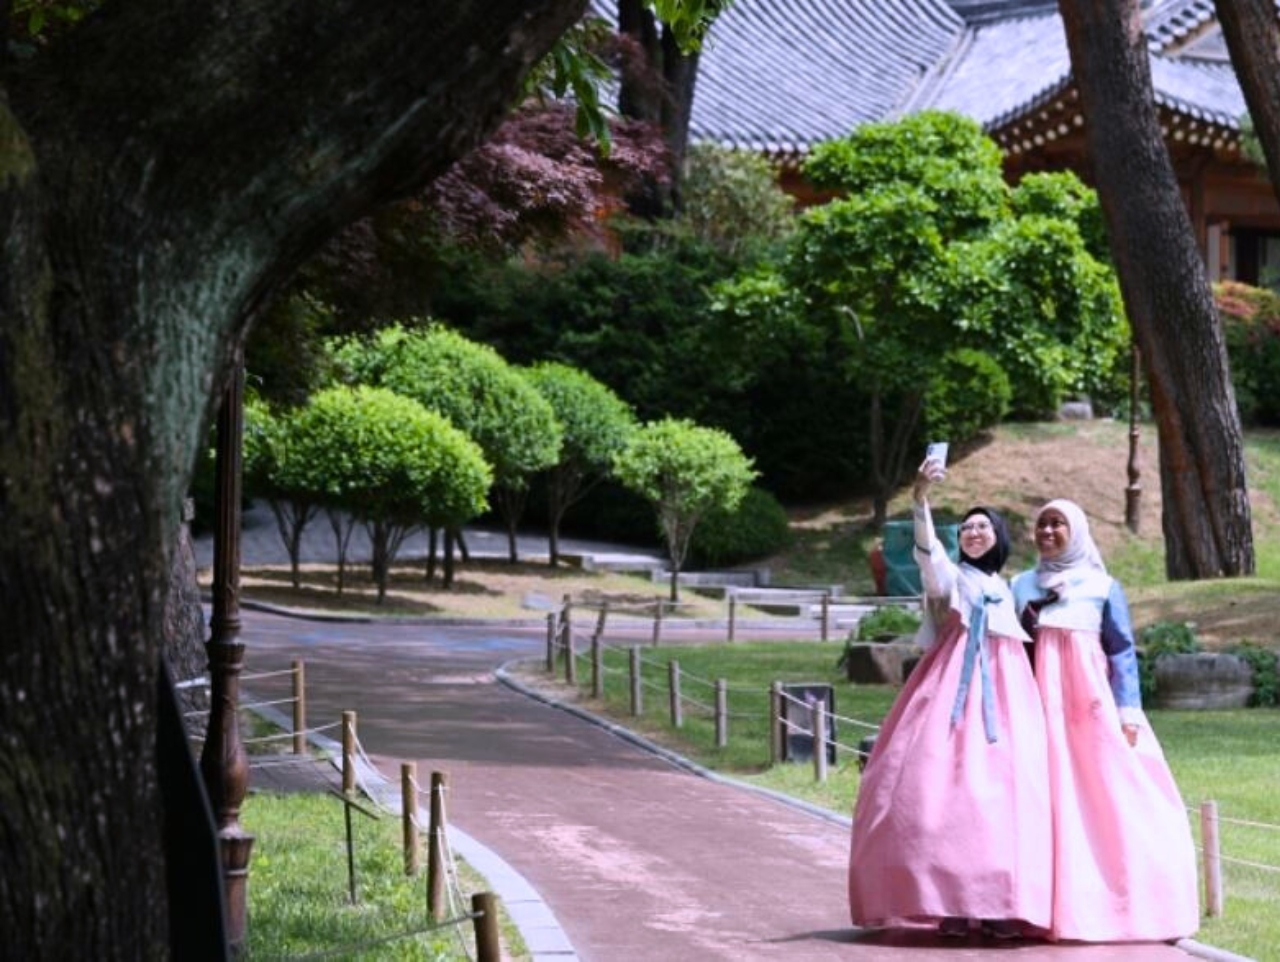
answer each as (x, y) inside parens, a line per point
(936, 451)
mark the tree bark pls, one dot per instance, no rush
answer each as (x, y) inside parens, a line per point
(1166, 294)
(163, 169)
(1253, 39)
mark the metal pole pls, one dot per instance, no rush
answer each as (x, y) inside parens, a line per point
(637, 699)
(819, 717)
(224, 766)
(673, 686)
(722, 713)
(1133, 493)
(597, 668)
(775, 723)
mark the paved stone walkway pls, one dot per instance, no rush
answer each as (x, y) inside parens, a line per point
(607, 852)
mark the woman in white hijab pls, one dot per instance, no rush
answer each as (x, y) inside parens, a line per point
(1124, 862)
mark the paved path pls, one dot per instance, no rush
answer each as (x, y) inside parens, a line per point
(638, 859)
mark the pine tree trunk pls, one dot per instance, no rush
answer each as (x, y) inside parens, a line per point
(1166, 293)
(1253, 38)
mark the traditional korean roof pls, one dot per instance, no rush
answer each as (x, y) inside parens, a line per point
(778, 76)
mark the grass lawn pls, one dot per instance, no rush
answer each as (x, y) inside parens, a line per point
(298, 890)
(1229, 757)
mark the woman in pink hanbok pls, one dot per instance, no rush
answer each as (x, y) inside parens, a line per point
(1124, 862)
(951, 823)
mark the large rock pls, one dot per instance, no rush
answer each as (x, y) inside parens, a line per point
(1202, 680)
(879, 662)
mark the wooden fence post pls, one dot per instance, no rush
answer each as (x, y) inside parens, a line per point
(299, 708)
(637, 697)
(348, 752)
(570, 661)
(435, 850)
(775, 723)
(484, 911)
(733, 611)
(551, 642)
(826, 614)
(597, 668)
(722, 713)
(673, 687)
(600, 620)
(819, 721)
(409, 815)
(657, 622)
(1213, 893)
(566, 621)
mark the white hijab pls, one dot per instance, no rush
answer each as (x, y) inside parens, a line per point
(1080, 551)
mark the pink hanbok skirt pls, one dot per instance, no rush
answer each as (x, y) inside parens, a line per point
(947, 824)
(1124, 862)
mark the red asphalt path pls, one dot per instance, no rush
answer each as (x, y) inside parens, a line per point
(637, 859)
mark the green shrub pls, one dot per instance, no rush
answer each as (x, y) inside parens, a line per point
(1266, 677)
(1162, 638)
(756, 528)
(968, 393)
(886, 623)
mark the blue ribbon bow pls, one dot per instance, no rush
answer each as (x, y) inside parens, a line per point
(975, 650)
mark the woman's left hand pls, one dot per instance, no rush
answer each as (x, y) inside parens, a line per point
(1130, 734)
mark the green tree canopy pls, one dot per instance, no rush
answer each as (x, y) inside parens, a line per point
(684, 470)
(596, 424)
(386, 460)
(477, 390)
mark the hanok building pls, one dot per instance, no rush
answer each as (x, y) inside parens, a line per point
(778, 76)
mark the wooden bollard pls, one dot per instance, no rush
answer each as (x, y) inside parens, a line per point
(484, 911)
(637, 697)
(818, 714)
(657, 622)
(299, 708)
(1212, 844)
(733, 611)
(722, 713)
(566, 621)
(435, 850)
(408, 815)
(570, 661)
(826, 614)
(775, 723)
(348, 752)
(551, 642)
(673, 687)
(597, 668)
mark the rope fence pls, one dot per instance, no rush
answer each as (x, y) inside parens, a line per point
(445, 898)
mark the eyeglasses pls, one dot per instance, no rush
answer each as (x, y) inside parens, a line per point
(975, 526)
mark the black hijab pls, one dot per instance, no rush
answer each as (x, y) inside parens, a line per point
(998, 553)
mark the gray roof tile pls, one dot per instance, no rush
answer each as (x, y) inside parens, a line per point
(780, 75)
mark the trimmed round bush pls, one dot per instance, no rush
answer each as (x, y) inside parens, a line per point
(758, 527)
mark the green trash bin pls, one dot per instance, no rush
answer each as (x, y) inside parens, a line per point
(902, 576)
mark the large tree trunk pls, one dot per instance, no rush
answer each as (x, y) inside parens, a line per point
(1253, 38)
(656, 85)
(163, 168)
(1166, 293)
